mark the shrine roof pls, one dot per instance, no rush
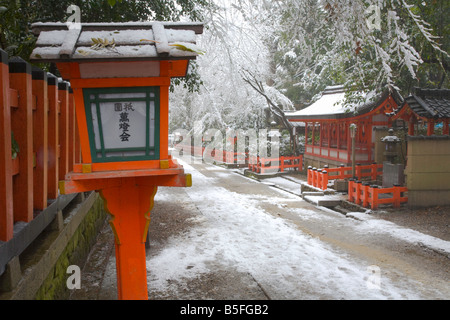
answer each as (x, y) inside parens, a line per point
(331, 105)
(115, 41)
(430, 103)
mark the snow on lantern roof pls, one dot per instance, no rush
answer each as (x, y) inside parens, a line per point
(115, 41)
(331, 105)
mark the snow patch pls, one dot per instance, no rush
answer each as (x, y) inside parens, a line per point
(378, 226)
(122, 37)
(236, 233)
(51, 38)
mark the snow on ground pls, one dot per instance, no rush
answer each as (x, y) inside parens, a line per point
(287, 263)
(373, 225)
(370, 224)
(285, 184)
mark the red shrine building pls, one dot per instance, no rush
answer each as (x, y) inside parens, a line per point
(426, 108)
(327, 127)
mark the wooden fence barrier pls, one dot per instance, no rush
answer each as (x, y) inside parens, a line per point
(6, 187)
(319, 178)
(224, 156)
(38, 115)
(255, 164)
(263, 165)
(369, 195)
(228, 157)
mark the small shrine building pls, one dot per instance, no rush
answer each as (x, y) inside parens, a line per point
(327, 127)
(426, 108)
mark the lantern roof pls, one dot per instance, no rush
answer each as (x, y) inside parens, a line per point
(130, 41)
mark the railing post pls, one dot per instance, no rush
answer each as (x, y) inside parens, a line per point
(53, 141)
(72, 120)
(365, 196)
(358, 171)
(319, 178)
(396, 195)
(350, 190)
(40, 138)
(324, 179)
(314, 179)
(281, 161)
(374, 203)
(22, 126)
(63, 95)
(6, 193)
(358, 192)
(309, 173)
(374, 171)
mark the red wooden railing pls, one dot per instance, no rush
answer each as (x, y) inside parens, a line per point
(255, 164)
(366, 195)
(228, 157)
(221, 156)
(39, 110)
(319, 178)
(265, 165)
(359, 192)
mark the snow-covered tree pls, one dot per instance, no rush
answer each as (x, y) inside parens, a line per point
(364, 44)
(260, 52)
(224, 100)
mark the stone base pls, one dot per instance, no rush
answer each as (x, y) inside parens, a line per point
(393, 174)
(341, 185)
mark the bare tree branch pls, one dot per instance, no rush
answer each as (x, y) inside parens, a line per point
(259, 87)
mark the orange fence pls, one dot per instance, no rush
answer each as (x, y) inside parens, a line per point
(228, 157)
(319, 178)
(255, 164)
(38, 111)
(366, 195)
(264, 165)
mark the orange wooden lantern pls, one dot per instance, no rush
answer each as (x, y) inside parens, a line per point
(120, 75)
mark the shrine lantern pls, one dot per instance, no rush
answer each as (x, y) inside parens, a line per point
(120, 74)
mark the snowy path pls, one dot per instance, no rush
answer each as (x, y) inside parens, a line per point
(255, 229)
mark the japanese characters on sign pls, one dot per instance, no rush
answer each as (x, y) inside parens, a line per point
(124, 122)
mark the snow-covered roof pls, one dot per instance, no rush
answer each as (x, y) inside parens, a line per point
(115, 41)
(331, 105)
(430, 103)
